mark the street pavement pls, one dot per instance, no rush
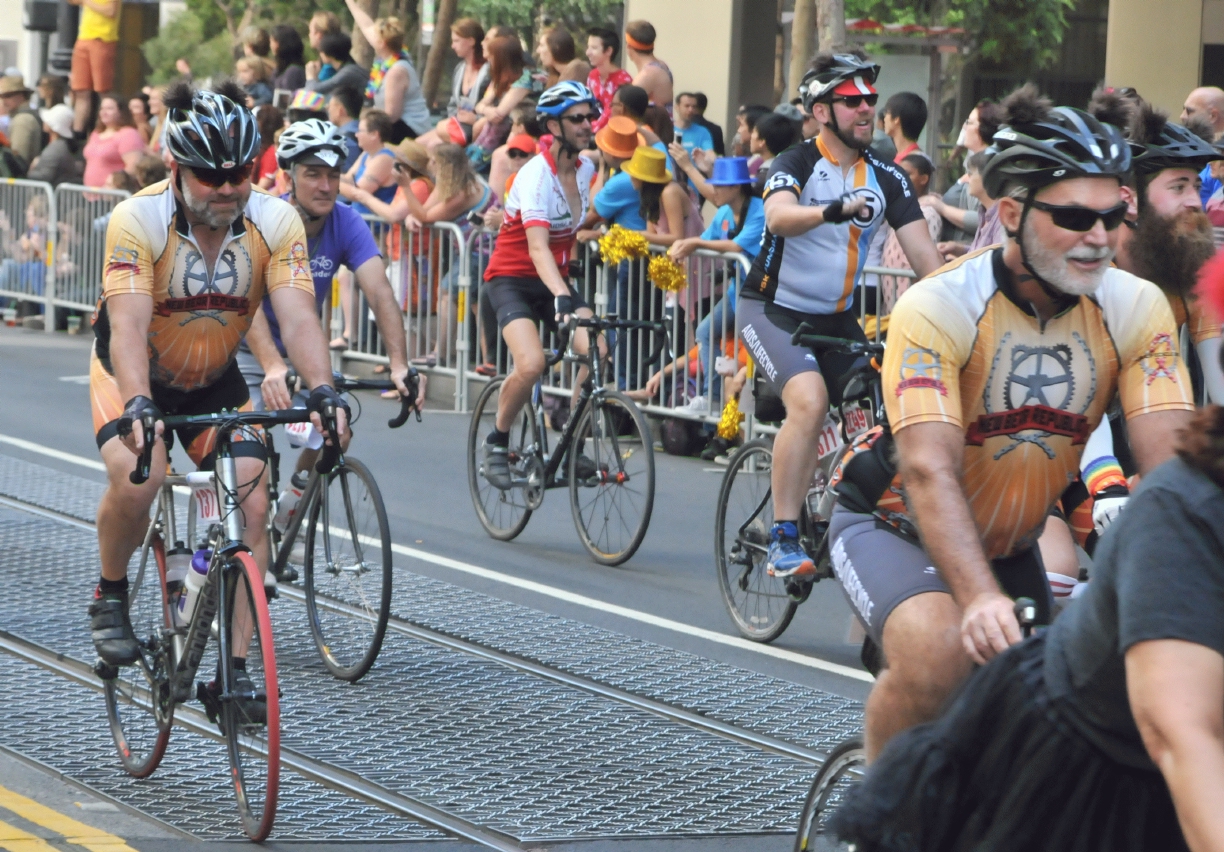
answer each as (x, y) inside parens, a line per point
(666, 595)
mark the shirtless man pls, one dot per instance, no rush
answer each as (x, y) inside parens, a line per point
(653, 75)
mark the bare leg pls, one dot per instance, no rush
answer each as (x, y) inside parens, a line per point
(254, 503)
(346, 303)
(926, 662)
(123, 513)
(796, 448)
(82, 106)
(523, 341)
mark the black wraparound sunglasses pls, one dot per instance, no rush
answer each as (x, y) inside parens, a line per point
(1073, 217)
(580, 118)
(213, 178)
(854, 101)
(517, 154)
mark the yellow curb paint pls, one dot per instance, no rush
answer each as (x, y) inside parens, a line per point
(93, 839)
(14, 839)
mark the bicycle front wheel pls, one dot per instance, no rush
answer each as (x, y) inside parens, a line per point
(758, 603)
(612, 478)
(138, 704)
(841, 770)
(504, 514)
(347, 570)
(251, 720)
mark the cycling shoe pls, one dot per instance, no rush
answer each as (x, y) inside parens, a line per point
(786, 556)
(496, 466)
(113, 637)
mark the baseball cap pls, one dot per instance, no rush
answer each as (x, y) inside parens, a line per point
(523, 142)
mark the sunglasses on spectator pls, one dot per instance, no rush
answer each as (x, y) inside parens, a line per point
(581, 118)
(854, 101)
(516, 154)
(402, 168)
(1072, 217)
(214, 178)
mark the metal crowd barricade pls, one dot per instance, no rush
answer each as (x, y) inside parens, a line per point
(28, 247)
(82, 214)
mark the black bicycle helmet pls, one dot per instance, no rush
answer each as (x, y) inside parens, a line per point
(819, 83)
(214, 133)
(1157, 144)
(1067, 143)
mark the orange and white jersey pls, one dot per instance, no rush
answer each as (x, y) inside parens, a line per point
(963, 349)
(198, 316)
(1196, 317)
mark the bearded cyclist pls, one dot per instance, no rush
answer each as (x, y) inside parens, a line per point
(527, 273)
(187, 261)
(311, 153)
(824, 200)
(997, 370)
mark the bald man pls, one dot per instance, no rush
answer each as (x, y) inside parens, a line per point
(1207, 102)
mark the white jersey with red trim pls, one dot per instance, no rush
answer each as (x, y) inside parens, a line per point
(537, 199)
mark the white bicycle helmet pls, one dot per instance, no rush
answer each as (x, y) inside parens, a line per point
(311, 142)
(556, 100)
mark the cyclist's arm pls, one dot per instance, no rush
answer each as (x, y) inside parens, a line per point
(545, 263)
(930, 456)
(1174, 688)
(304, 338)
(1213, 375)
(263, 347)
(1153, 437)
(915, 241)
(786, 217)
(371, 277)
(130, 315)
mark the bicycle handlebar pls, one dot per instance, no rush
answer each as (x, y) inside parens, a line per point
(343, 383)
(604, 324)
(1026, 613)
(805, 336)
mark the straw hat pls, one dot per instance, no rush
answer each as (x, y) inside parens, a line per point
(12, 84)
(619, 137)
(414, 154)
(648, 165)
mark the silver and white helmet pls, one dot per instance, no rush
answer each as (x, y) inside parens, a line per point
(311, 142)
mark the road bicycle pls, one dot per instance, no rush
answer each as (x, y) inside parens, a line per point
(846, 765)
(346, 545)
(231, 606)
(605, 455)
(762, 606)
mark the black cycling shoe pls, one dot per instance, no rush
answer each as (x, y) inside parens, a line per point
(113, 637)
(287, 574)
(251, 710)
(496, 466)
(585, 467)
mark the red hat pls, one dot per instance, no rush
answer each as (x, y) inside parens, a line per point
(856, 85)
(523, 142)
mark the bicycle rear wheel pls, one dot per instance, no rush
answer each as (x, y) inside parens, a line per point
(138, 705)
(612, 507)
(758, 603)
(504, 514)
(253, 743)
(842, 769)
(347, 570)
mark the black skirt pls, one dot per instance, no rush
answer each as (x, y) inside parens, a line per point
(1001, 771)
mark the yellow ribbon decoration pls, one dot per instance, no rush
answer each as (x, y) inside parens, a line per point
(728, 424)
(620, 244)
(666, 274)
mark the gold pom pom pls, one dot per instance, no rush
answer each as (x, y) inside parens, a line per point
(620, 244)
(666, 274)
(728, 424)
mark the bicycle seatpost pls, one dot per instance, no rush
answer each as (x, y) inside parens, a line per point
(1026, 614)
(144, 461)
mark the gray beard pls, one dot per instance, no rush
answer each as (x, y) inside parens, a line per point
(1052, 267)
(205, 214)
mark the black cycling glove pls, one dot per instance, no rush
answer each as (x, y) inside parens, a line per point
(833, 211)
(321, 396)
(564, 305)
(137, 407)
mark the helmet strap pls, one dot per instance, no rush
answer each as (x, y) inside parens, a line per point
(1050, 290)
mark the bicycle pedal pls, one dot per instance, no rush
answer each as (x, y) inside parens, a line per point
(105, 670)
(206, 694)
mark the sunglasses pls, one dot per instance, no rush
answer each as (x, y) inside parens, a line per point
(581, 118)
(855, 101)
(516, 154)
(213, 178)
(1072, 217)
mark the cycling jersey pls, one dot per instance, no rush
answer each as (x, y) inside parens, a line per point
(537, 199)
(198, 319)
(815, 272)
(1192, 313)
(964, 349)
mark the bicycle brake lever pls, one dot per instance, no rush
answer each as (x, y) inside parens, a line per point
(331, 452)
(144, 461)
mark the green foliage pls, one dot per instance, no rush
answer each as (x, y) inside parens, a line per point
(185, 37)
(523, 15)
(1017, 31)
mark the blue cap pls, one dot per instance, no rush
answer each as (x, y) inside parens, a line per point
(730, 171)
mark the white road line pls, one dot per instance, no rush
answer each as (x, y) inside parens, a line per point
(546, 590)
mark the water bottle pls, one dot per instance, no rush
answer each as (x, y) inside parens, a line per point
(178, 563)
(192, 586)
(287, 503)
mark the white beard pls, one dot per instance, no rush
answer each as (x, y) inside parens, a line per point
(1054, 269)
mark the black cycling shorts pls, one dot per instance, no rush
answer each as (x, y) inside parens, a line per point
(518, 298)
(879, 567)
(766, 329)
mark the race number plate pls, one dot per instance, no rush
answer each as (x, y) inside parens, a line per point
(830, 440)
(207, 509)
(857, 420)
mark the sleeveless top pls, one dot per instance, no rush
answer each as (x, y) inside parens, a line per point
(383, 193)
(415, 112)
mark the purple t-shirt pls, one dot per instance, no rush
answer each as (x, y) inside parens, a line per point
(344, 241)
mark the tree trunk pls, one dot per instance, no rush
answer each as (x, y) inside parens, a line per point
(444, 16)
(779, 87)
(831, 24)
(363, 54)
(803, 32)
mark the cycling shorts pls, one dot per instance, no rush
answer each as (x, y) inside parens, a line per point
(766, 329)
(228, 392)
(880, 567)
(518, 298)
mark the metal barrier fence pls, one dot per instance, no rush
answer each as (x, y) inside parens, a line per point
(82, 214)
(27, 248)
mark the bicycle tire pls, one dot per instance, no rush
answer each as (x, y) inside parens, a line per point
(503, 514)
(253, 746)
(758, 604)
(348, 531)
(138, 705)
(599, 502)
(843, 767)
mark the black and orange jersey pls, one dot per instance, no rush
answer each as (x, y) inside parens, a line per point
(963, 349)
(198, 318)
